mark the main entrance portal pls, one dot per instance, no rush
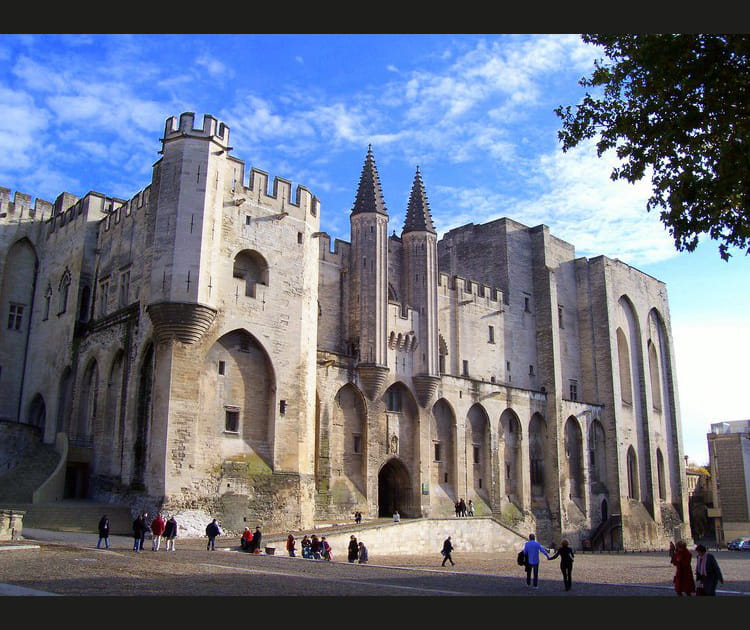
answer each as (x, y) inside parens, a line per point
(394, 490)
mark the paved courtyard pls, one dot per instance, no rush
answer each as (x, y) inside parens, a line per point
(55, 563)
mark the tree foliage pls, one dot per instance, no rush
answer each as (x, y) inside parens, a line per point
(675, 107)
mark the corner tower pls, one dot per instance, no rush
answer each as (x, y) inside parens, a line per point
(188, 186)
(369, 279)
(421, 272)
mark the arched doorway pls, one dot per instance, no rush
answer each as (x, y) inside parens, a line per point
(394, 490)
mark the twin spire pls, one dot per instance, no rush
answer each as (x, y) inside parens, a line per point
(370, 198)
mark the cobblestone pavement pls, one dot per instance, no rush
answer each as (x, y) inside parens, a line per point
(69, 564)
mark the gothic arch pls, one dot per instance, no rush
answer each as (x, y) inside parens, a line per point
(112, 429)
(238, 395)
(478, 449)
(143, 414)
(350, 446)
(442, 432)
(632, 471)
(537, 455)
(654, 376)
(660, 475)
(511, 441)
(87, 405)
(17, 285)
(395, 491)
(402, 414)
(574, 457)
(597, 456)
(626, 380)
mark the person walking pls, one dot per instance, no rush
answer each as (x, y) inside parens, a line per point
(707, 572)
(362, 555)
(212, 531)
(447, 551)
(325, 549)
(157, 530)
(396, 517)
(170, 533)
(471, 508)
(565, 553)
(353, 551)
(290, 543)
(684, 584)
(532, 549)
(104, 528)
(140, 527)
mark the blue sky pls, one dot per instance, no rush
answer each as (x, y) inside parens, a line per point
(83, 113)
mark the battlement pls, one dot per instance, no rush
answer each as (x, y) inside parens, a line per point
(340, 250)
(120, 209)
(20, 209)
(464, 287)
(68, 209)
(280, 198)
(212, 129)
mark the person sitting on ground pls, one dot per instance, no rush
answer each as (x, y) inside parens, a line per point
(247, 539)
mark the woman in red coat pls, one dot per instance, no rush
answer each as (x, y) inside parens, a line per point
(684, 584)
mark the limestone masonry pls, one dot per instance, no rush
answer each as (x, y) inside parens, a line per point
(204, 346)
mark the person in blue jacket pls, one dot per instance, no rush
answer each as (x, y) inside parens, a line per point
(532, 549)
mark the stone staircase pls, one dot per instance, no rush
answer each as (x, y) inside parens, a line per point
(17, 488)
(18, 485)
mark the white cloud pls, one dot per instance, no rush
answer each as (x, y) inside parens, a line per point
(711, 361)
(215, 67)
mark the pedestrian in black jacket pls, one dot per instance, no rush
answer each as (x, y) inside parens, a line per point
(140, 527)
(707, 572)
(212, 531)
(103, 532)
(565, 553)
(447, 550)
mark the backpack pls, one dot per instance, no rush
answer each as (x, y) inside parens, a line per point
(521, 559)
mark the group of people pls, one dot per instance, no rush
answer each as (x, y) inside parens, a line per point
(357, 552)
(159, 528)
(464, 509)
(707, 571)
(313, 548)
(250, 541)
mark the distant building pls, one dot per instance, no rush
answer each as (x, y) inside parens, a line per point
(729, 457)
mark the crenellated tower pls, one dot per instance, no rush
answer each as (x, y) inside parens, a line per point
(188, 185)
(369, 279)
(421, 275)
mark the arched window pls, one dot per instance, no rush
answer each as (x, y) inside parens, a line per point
(633, 492)
(654, 373)
(252, 269)
(623, 355)
(63, 291)
(660, 473)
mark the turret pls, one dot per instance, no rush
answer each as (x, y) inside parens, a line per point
(421, 276)
(187, 184)
(369, 279)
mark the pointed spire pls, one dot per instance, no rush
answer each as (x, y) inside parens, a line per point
(369, 194)
(418, 218)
